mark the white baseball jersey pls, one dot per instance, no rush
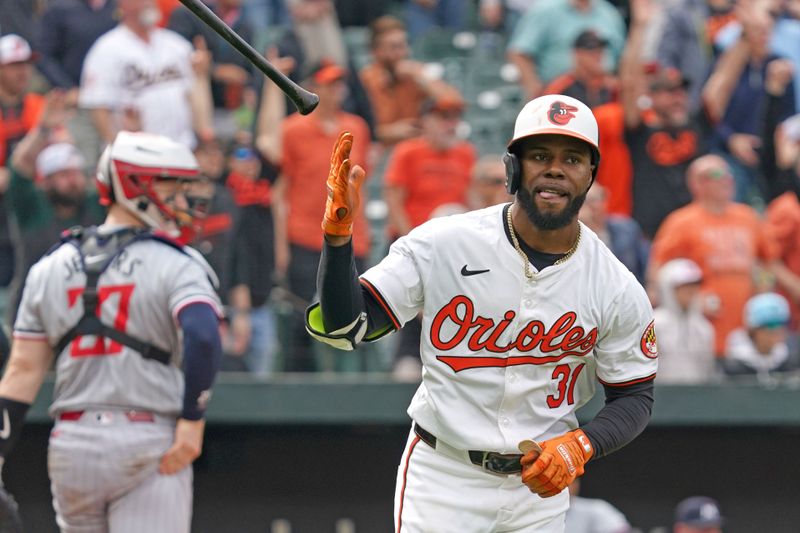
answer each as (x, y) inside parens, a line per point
(154, 77)
(506, 358)
(141, 293)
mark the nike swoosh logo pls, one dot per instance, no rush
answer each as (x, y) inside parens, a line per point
(6, 431)
(466, 272)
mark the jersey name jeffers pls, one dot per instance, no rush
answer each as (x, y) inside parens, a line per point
(562, 339)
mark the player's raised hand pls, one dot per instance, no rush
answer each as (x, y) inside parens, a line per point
(344, 185)
(186, 448)
(559, 463)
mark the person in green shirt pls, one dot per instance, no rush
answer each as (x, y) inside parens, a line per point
(48, 191)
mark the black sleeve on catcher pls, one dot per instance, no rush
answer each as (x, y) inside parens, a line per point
(341, 297)
(12, 416)
(625, 415)
(202, 356)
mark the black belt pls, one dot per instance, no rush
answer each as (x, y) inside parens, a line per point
(499, 463)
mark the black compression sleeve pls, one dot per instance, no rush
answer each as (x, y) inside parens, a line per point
(340, 294)
(12, 415)
(342, 298)
(624, 416)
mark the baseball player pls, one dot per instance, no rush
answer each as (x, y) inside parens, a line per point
(131, 318)
(523, 310)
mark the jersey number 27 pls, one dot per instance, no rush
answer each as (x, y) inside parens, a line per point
(108, 295)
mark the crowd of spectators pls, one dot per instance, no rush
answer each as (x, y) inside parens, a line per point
(697, 192)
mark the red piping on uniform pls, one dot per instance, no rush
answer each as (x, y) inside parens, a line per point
(403, 490)
(459, 363)
(631, 382)
(381, 301)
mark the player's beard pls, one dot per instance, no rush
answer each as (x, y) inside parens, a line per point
(550, 221)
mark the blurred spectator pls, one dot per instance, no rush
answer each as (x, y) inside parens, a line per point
(615, 174)
(621, 234)
(780, 153)
(48, 191)
(488, 183)
(396, 85)
(542, 54)
(166, 7)
(315, 36)
(735, 94)
(253, 334)
(265, 15)
(588, 80)
(66, 32)
(501, 14)
(429, 171)
(423, 174)
(141, 77)
(762, 346)
(724, 238)
(315, 24)
(593, 515)
(360, 13)
(17, 17)
(19, 112)
(424, 16)
(698, 514)
(786, 41)
(781, 166)
(687, 40)
(231, 72)
(299, 196)
(19, 107)
(685, 336)
(220, 227)
(662, 139)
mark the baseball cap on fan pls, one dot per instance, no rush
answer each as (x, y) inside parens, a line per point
(766, 310)
(15, 49)
(560, 115)
(58, 157)
(668, 79)
(446, 101)
(589, 40)
(699, 511)
(326, 71)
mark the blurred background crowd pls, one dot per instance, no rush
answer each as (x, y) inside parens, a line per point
(696, 100)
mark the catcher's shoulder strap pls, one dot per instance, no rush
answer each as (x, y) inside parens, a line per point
(98, 251)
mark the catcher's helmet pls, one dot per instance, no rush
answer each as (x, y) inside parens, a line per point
(130, 166)
(551, 114)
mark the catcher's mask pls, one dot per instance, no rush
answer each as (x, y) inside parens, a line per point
(551, 114)
(156, 180)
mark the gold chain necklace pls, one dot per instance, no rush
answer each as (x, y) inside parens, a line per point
(528, 273)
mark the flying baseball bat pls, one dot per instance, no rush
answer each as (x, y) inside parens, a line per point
(304, 100)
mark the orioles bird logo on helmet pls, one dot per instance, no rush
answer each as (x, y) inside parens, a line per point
(560, 113)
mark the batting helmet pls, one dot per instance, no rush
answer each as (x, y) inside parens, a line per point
(551, 114)
(130, 166)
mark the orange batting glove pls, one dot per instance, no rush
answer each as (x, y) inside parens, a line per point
(343, 189)
(560, 462)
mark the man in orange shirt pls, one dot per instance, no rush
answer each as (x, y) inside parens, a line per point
(431, 170)
(299, 196)
(726, 239)
(19, 113)
(396, 85)
(588, 80)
